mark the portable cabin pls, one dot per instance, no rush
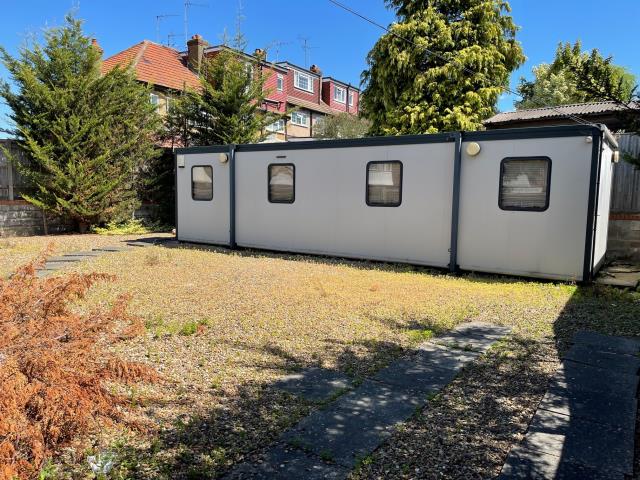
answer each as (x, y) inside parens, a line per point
(531, 202)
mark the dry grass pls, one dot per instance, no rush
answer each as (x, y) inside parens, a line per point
(223, 326)
(16, 251)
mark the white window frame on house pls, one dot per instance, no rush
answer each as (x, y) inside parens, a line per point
(342, 98)
(352, 96)
(280, 82)
(300, 118)
(277, 126)
(296, 81)
(154, 99)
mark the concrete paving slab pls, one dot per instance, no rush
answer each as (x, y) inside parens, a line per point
(84, 253)
(619, 279)
(286, 463)
(112, 249)
(606, 408)
(578, 376)
(356, 423)
(587, 443)
(49, 265)
(523, 463)
(315, 384)
(590, 355)
(428, 370)
(68, 259)
(605, 343)
(472, 336)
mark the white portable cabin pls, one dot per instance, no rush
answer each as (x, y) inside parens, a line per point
(531, 202)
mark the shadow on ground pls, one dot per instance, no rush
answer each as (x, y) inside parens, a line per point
(465, 432)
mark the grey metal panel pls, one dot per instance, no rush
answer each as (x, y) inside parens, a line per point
(199, 220)
(330, 215)
(604, 203)
(547, 244)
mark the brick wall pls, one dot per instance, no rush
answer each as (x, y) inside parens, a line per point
(19, 219)
(624, 236)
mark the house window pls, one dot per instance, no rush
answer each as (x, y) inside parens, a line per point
(384, 184)
(282, 177)
(351, 95)
(339, 94)
(280, 81)
(277, 126)
(166, 104)
(302, 81)
(524, 184)
(202, 182)
(300, 118)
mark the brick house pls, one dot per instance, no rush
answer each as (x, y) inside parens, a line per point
(304, 93)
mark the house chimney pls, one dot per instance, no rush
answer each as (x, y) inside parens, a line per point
(94, 44)
(195, 52)
(316, 69)
(260, 54)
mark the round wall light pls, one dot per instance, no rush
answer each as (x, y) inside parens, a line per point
(223, 157)
(473, 149)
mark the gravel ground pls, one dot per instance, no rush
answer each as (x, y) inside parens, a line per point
(15, 251)
(223, 326)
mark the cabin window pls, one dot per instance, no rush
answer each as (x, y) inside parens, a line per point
(384, 184)
(524, 184)
(202, 182)
(282, 178)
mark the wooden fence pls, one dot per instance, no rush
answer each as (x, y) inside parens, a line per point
(12, 184)
(626, 177)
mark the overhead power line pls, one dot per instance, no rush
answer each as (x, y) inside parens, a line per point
(575, 118)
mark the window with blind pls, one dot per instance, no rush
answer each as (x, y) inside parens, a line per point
(282, 177)
(524, 184)
(202, 183)
(384, 184)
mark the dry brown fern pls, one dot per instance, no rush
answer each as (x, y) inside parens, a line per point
(54, 364)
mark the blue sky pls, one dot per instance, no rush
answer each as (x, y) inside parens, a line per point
(339, 40)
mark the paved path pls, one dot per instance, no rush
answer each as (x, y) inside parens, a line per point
(585, 424)
(65, 260)
(330, 442)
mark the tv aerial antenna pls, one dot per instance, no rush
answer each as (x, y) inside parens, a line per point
(159, 19)
(277, 45)
(187, 5)
(306, 48)
(170, 37)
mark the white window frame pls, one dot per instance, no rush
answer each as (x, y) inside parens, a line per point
(154, 99)
(343, 94)
(304, 115)
(280, 82)
(277, 126)
(296, 81)
(352, 96)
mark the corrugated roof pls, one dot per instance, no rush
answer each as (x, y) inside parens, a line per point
(155, 64)
(560, 111)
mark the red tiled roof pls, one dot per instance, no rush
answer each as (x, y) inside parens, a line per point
(155, 64)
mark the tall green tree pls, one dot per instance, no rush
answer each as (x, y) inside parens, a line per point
(441, 67)
(228, 108)
(342, 125)
(571, 78)
(85, 134)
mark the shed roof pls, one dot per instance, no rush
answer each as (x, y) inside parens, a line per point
(560, 111)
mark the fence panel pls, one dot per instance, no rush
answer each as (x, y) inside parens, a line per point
(626, 177)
